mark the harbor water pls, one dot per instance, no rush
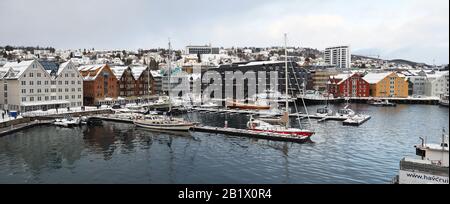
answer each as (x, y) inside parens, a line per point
(121, 153)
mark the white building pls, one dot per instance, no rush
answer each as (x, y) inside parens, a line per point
(27, 86)
(207, 49)
(437, 84)
(418, 80)
(338, 56)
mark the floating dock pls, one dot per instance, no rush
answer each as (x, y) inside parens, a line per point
(356, 122)
(292, 115)
(251, 134)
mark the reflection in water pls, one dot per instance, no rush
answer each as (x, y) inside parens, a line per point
(121, 153)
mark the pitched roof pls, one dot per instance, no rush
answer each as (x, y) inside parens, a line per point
(373, 78)
(118, 71)
(137, 71)
(91, 68)
(49, 65)
(17, 67)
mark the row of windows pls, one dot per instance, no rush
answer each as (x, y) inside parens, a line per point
(46, 98)
(39, 75)
(52, 90)
(31, 83)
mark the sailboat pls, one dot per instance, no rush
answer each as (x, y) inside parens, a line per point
(157, 122)
(284, 129)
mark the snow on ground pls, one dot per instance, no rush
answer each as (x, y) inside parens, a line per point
(62, 111)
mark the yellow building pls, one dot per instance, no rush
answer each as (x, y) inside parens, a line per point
(387, 85)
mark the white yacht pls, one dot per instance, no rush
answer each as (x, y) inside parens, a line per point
(163, 123)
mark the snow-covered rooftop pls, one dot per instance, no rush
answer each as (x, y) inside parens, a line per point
(137, 71)
(18, 67)
(118, 71)
(373, 78)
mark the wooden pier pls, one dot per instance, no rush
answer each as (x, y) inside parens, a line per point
(251, 134)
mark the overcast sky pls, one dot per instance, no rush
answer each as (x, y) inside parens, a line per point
(416, 30)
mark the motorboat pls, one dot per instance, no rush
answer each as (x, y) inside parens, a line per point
(67, 122)
(324, 112)
(346, 112)
(382, 103)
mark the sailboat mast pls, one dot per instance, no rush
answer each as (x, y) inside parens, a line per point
(287, 80)
(170, 73)
(286, 71)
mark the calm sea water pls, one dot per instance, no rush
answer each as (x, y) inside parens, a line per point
(121, 153)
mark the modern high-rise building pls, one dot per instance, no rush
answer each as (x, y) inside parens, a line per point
(339, 56)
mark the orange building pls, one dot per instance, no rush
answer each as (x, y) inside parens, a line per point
(99, 84)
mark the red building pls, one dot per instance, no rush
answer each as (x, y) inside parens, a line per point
(348, 85)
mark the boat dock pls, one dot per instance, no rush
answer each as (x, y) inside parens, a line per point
(250, 134)
(356, 122)
(364, 100)
(112, 119)
(302, 116)
(15, 128)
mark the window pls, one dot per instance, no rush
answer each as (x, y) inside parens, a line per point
(73, 82)
(79, 82)
(66, 90)
(31, 74)
(53, 97)
(66, 75)
(67, 97)
(73, 75)
(24, 99)
(79, 89)
(39, 98)
(46, 82)
(38, 82)
(66, 82)
(60, 90)
(24, 91)
(73, 89)
(59, 97)
(46, 90)
(79, 96)
(53, 83)
(31, 90)
(59, 82)
(31, 98)
(31, 83)
(24, 83)
(73, 96)
(39, 91)
(38, 74)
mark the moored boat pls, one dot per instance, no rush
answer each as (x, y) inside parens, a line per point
(382, 103)
(431, 168)
(163, 123)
